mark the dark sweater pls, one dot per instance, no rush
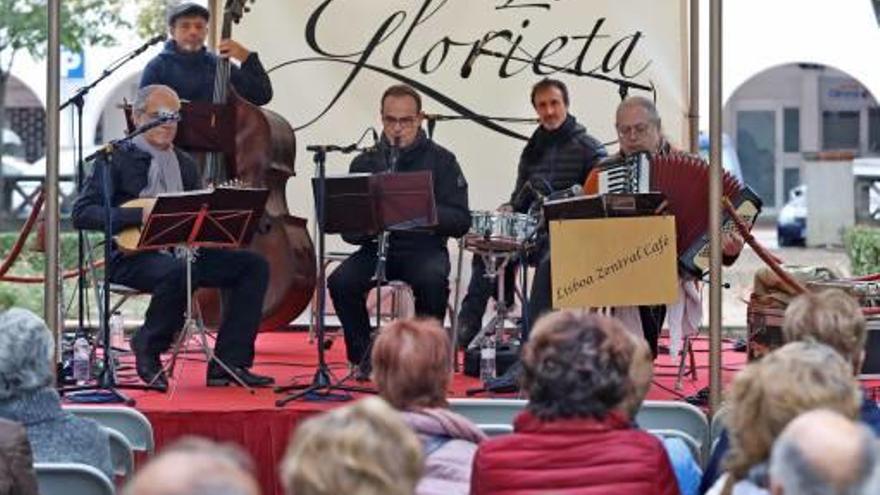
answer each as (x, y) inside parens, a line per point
(192, 75)
(553, 161)
(56, 435)
(450, 193)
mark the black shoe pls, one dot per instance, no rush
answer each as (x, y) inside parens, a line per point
(218, 377)
(149, 366)
(467, 330)
(362, 372)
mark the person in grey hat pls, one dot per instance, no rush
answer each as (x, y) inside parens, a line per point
(27, 396)
(189, 68)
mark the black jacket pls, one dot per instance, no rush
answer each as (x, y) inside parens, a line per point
(128, 172)
(191, 75)
(450, 192)
(555, 161)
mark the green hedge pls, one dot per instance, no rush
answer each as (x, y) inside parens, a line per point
(863, 248)
(32, 263)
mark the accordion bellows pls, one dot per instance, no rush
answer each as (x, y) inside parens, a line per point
(684, 180)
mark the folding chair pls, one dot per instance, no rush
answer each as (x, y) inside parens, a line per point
(70, 478)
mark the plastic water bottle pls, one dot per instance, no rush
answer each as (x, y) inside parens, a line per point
(117, 331)
(487, 359)
(82, 354)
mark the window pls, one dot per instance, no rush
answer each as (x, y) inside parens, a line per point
(840, 130)
(874, 130)
(791, 127)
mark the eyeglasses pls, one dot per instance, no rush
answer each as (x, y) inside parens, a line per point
(165, 115)
(405, 122)
(637, 130)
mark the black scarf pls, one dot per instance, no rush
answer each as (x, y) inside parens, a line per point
(542, 139)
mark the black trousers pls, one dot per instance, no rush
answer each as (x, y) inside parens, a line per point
(425, 270)
(480, 289)
(541, 302)
(243, 275)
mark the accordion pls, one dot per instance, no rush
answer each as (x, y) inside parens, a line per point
(684, 180)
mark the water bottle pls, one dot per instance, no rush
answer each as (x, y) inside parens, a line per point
(487, 359)
(82, 354)
(117, 331)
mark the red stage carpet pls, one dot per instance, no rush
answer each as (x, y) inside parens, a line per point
(253, 421)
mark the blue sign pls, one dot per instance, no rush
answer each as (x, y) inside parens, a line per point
(73, 65)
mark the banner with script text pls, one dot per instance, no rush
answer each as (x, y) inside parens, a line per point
(613, 262)
(474, 61)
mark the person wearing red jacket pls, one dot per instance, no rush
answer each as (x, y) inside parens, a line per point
(576, 436)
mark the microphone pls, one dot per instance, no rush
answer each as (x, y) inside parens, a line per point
(394, 154)
(156, 39)
(164, 117)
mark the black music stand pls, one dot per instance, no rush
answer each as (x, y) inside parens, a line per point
(220, 218)
(385, 201)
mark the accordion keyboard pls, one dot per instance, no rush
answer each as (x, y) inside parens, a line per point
(630, 175)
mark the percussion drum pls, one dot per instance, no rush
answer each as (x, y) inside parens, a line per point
(499, 231)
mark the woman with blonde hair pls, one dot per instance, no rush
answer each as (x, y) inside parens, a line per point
(412, 371)
(363, 448)
(767, 395)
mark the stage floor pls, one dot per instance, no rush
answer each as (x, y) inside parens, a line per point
(253, 421)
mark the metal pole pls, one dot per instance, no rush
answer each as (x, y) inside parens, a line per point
(52, 294)
(715, 65)
(694, 86)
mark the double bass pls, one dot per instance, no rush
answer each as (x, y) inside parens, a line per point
(258, 148)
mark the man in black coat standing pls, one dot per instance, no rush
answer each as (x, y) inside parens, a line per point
(417, 257)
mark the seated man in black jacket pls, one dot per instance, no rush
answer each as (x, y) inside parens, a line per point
(152, 166)
(558, 156)
(419, 258)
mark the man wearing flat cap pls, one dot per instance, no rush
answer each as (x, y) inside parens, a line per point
(189, 68)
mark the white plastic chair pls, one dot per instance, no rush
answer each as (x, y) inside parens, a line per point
(488, 411)
(656, 415)
(71, 479)
(130, 422)
(121, 454)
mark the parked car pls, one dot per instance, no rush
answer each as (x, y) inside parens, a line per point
(791, 224)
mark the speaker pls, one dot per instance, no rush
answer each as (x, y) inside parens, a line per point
(505, 356)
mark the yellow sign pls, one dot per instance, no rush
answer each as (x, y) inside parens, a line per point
(613, 262)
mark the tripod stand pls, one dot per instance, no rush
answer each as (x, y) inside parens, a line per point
(323, 380)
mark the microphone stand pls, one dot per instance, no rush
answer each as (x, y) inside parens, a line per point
(107, 381)
(323, 379)
(78, 101)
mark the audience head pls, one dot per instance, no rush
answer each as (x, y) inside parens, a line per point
(411, 364)
(364, 448)
(26, 348)
(577, 364)
(196, 466)
(830, 317)
(769, 393)
(821, 452)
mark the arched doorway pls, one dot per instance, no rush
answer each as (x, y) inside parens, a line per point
(25, 122)
(780, 114)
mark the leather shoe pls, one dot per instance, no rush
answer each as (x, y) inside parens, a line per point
(218, 377)
(149, 367)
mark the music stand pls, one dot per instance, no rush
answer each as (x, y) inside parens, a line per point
(224, 218)
(391, 201)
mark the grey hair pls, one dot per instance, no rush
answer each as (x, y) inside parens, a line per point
(645, 103)
(790, 468)
(143, 94)
(230, 466)
(26, 348)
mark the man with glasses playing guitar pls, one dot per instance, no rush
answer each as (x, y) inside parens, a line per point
(153, 166)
